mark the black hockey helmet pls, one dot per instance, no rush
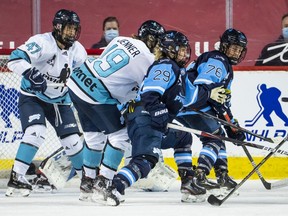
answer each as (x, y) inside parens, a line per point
(149, 32)
(62, 18)
(171, 44)
(233, 37)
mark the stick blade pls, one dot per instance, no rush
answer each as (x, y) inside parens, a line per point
(213, 200)
(266, 184)
(280, 183)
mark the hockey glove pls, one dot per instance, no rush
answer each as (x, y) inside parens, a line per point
(233, 133)
(218, 95)
(159, 117)
(35, 80)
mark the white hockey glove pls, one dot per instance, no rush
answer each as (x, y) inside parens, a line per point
(218, 94)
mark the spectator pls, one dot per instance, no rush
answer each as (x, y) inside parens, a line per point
(275, 53)
(110, 31)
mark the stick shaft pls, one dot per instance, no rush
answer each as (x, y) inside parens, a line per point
(56, 84)
(234, 126)
(215, 201)
(206, 134)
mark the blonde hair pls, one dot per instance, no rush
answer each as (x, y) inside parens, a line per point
(158, 53)
(134, 36)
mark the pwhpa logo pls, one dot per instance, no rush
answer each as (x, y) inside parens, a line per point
(268, 101)
(270, 112)
(9, 105)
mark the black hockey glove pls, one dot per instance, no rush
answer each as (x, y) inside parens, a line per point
(233, 133)
(35, 80)
(159, 117)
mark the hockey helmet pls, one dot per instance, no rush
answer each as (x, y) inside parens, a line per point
(150, 32)
(176, 46)
(233, 37)
(61, 20)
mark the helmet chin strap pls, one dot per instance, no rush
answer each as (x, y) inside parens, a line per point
(233, 61)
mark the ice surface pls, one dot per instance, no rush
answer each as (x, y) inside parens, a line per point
(254, 200)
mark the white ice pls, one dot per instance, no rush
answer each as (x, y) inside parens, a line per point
(254, 200)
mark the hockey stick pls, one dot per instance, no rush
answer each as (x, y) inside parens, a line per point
(234, 126)
(264, 182)
(266, 148)
(213, 200)
(206, 134)
(56, 84)
(280, 183)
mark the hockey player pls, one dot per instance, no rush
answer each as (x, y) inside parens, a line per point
(97, 87)
(210, 70)
(158, 102)
(40, 61)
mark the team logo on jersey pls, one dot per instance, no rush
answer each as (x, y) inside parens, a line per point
(34, 117)
(72, 125)
(135, 88)
(51, 61)
(8, 104)
(268, 102)
(219, 57)
(64, 74)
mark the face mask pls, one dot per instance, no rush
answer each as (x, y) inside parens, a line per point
(285, 32)
(111, 34)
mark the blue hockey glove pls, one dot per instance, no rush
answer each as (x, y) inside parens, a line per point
(35, 80)
(233, 133)
(159, 117)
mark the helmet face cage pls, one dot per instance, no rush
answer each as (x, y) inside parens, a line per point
(233, 37)
(150, 32)
(61, 20)
(172, 44)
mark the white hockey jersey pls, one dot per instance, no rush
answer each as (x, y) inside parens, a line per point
(115, 76)
(56, 65)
